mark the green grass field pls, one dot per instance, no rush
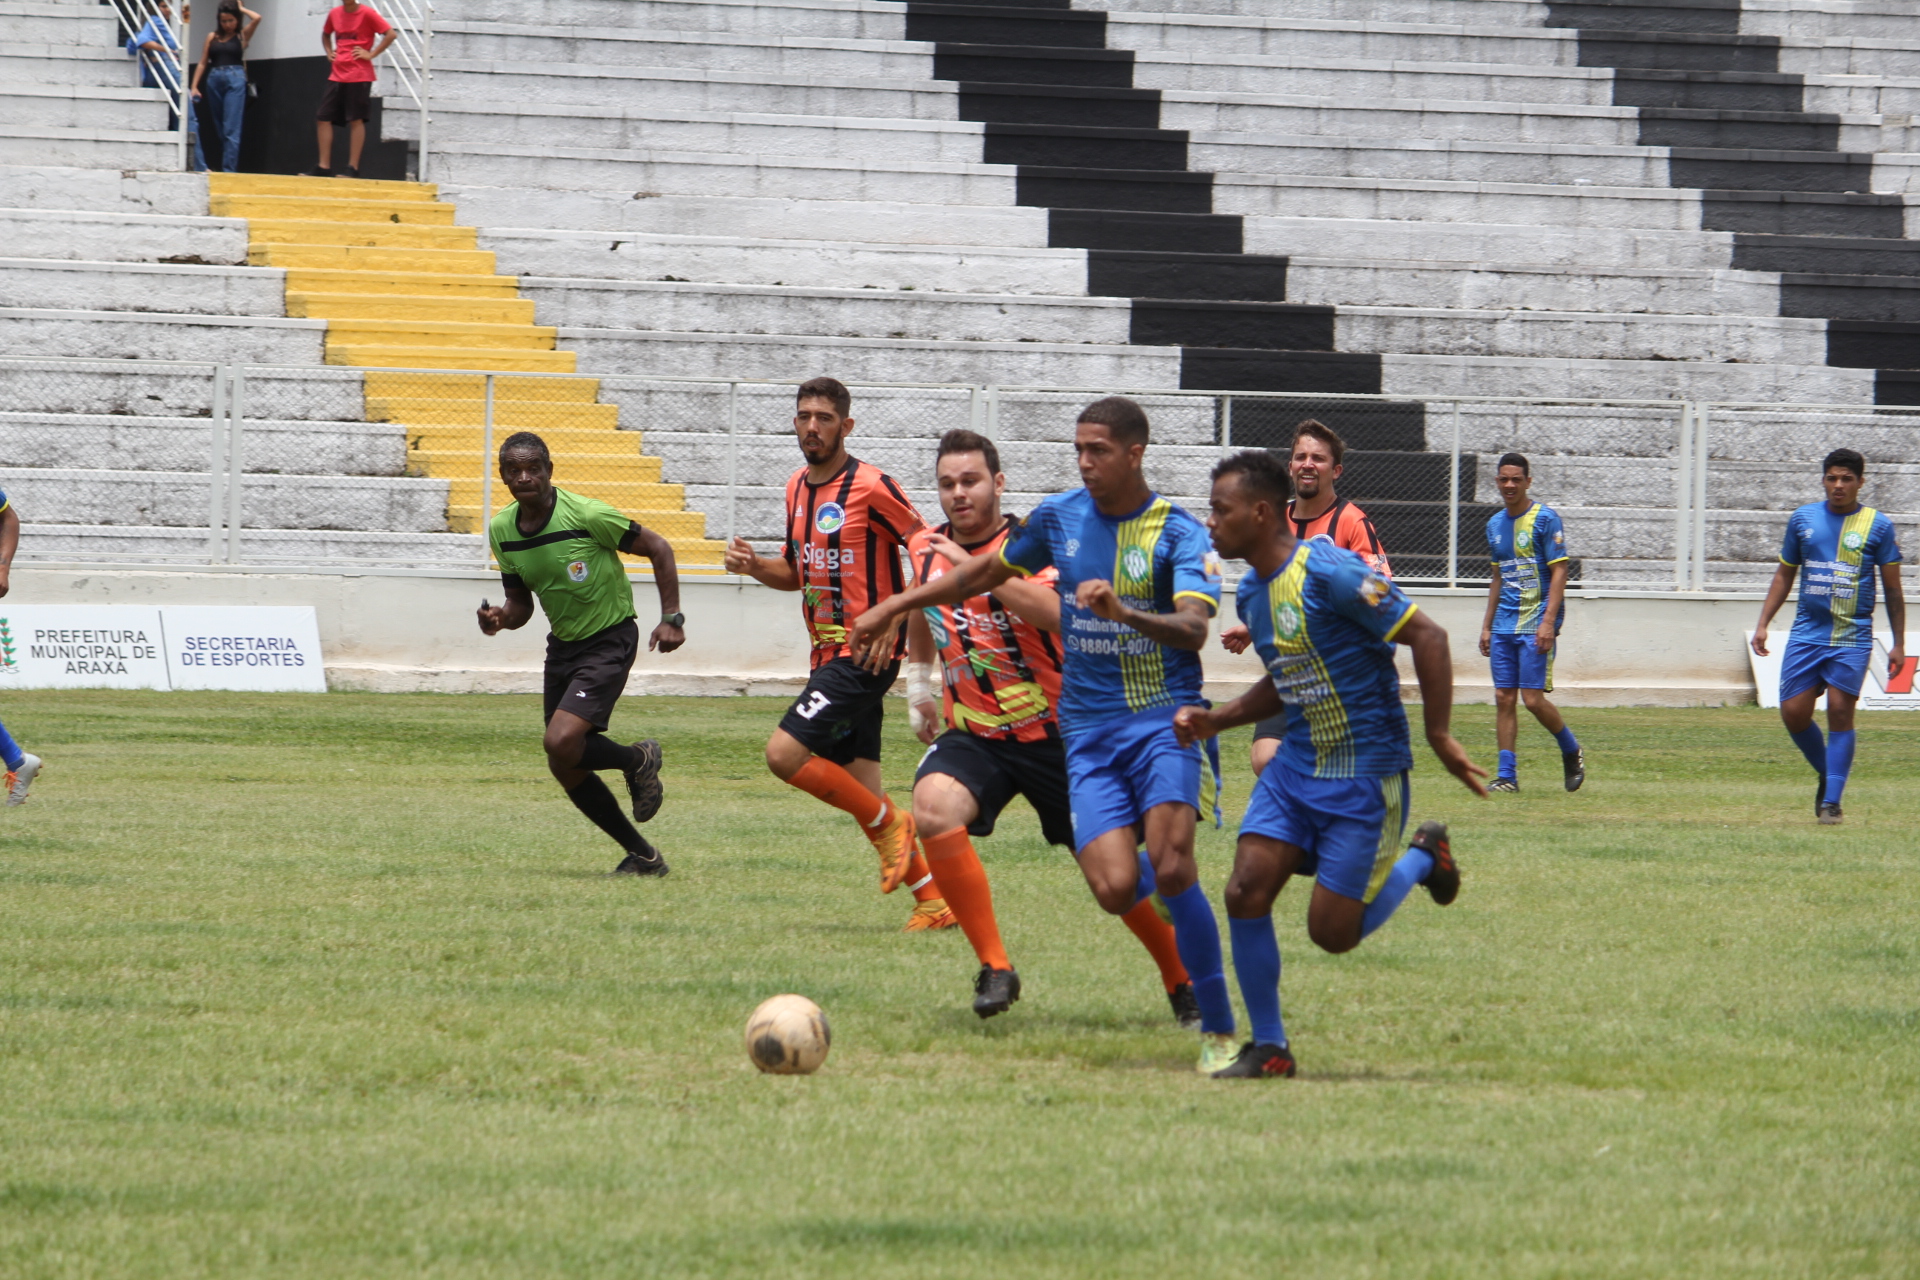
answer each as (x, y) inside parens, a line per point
(336, 986)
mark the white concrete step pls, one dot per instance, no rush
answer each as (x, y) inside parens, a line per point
(822, 19)
(59, 24)
(1499, 13)
(122, 237)
(1850, 56)
(24, 63)
(180, 498)
(1575, 249)
(40, 383)
(664, 92)
(1428, 160)
(1862, 95)
(1399, 120)
(1413, 282)
(52, 146)
(768, 53)
(144, 544)
(1365, 80)
(75, 440)
(1589, 379)
(1550, 335)
(69, 106)
(1792, 442)
(142, 286)
(1816, 19)
(125, 335)
(48, 186)
(1205, 34)
(1574, 204)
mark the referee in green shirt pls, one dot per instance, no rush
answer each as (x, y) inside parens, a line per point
(561, 547)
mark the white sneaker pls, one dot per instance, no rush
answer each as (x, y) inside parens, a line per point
(18, 780)
(1216, 1052)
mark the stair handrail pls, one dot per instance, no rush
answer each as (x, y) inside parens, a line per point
(134, 15)
(410, 58)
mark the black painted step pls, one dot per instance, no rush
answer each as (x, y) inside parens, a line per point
(1714, 16)
(1415, 533)
(1392, 426)
(1734, 130)
(1756, 170)
(1676, 51)
(1001, 24)
(1370, 476)
(1074, 105)
(1873, 344)
(1896, 386)
(1827, 255)
(1804, 213)
(1147, 190)
(1229, 369)
(1072, 228)
(1245, 277)
(1073, 147)
(1893, 299)
(1029, 64)
(1014, 4)
(1267, 326)
(1709, 90)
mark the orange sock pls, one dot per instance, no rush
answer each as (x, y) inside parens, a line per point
(919, 878)
(1156, 935)
(962, 881)
(825, 780)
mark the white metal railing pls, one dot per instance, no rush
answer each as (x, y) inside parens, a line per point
(410, 58)
(169, 69)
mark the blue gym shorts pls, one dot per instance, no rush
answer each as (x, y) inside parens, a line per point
(1118, 769)
(1519, 664)
(1352, 830)
(1806, 665)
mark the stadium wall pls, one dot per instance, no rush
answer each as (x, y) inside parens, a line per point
(401, 631)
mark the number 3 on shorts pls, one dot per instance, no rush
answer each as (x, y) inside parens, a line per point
(816, 703)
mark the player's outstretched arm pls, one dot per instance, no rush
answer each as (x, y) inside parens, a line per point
(1033, 603)
(1192, 724)
(666, 578)
(870, 638)
(1184, 628)
(1896, 613)
(10, 543)
(768, 571)
(511, 616)
(1776, 596)
(1433, 667)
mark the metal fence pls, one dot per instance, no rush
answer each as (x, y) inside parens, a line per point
(169, 70)
(151, 463)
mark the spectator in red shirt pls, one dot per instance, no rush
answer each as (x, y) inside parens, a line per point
(349, 36)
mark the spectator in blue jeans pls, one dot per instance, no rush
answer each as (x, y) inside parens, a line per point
(223, 71)
(159, 55)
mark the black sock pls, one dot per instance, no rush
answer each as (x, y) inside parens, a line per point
(598, 751)
(594, 799)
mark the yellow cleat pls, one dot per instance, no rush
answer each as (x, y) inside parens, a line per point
(896, 842)
(932, 914)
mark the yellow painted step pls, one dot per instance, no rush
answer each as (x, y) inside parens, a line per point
(425, 333)
(377, 235)
(388, 357)
(329, 257)
(413, 284)
(560, 431)
(281, 184)
(387, 306)
(386, 386)
(323, 208)
(571, 465)
(461, 422)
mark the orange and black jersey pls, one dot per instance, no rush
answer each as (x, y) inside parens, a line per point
(844, 538)
(1001, 674)
(1345, 525)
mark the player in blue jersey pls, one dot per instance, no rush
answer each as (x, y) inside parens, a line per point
(1526, 605)
(1838, 543)
(22, 766)
(1333, 803)
(1138, 585)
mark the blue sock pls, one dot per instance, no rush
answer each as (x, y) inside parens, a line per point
(1568, 743)
(1148, 882)
(1197, 934)
(1256, 960)
(1413, 867)
(1813, 747)
(1839, 762)
(1509, 766)
(9, 750)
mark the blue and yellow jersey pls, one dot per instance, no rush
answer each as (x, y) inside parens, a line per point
(1324, 624)
(1153, 557)
(1525, 550)
(1836, 556)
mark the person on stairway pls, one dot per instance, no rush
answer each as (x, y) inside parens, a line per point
(159, 53)
(223, 72)
(349, 36)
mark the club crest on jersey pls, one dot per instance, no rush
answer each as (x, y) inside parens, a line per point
(830, 517)
(577, 570)
(1373, 590)
(1073, 546)
(1286, 620)
(1854, 540)
(1523, 540)
(1134, 561)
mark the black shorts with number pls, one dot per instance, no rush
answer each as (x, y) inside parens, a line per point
(344, 102)
(1271, 727)
(838, 715)
(588, 676)
(996, 770)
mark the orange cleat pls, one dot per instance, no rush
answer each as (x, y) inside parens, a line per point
(931, 914)
(896, 842)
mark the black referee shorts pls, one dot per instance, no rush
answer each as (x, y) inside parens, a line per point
(839, 714)
(996, 770)
(588, 676)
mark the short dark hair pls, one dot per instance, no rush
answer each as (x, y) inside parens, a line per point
(525, 440)
(1124, 420)
(1322, 432)
(1513, 460)
(960, 440)
(1262, 472)
(1848, 458)
(826, 389)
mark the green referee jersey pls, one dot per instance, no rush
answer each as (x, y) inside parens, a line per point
(570, 564)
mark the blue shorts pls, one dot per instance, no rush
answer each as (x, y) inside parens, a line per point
(1118, 769)
(1351, 829)
(1806, 665)
(1519, 664)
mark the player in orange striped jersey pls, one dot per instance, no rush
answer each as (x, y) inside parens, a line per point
(999, 662)
(847, 524)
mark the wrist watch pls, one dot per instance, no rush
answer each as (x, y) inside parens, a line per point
(674, 620)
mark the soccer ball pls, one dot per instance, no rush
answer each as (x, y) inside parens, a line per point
(788, 1036)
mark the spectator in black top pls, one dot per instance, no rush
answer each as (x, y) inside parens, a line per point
(223, 70)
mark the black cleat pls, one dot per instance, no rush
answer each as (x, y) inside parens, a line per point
(643, 781)
(1504, 784)
(634, 864)
(316, 172)
(1575, 763)
(350, 173)
(1186, 1006)
(995, 990)
(1443, 882)
(1258, 1062)
(1830, 815)
(1819, 794)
